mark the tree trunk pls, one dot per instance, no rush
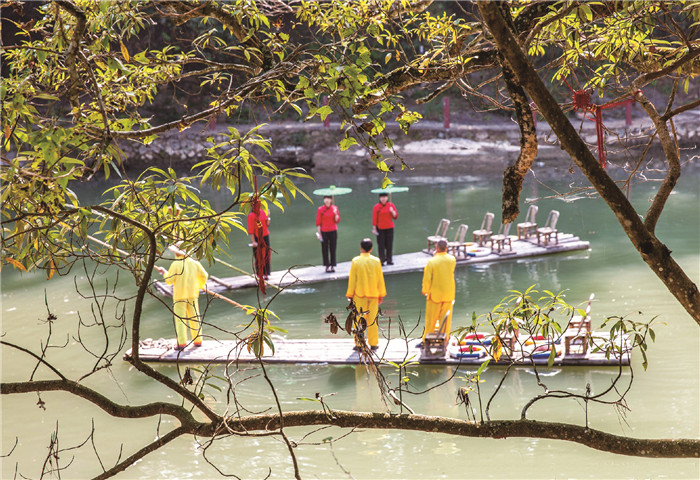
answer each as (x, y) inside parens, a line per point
(514, 175)
(653, 252)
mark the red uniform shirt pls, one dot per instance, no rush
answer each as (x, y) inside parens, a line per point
(254, 219)
(325, 217)
(382, 217)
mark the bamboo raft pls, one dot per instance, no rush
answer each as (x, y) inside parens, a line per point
(339, 351)
(403, 263)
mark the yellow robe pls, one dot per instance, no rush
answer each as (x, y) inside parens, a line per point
(187, 276)
(366, 288)
(439, 289)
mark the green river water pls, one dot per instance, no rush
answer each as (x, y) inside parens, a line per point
(664, 401)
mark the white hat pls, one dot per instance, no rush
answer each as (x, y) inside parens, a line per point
(176, 249)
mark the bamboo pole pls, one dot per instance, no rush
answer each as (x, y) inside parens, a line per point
(107, 245)
(232, 267)
(218, 260)
(226, 299)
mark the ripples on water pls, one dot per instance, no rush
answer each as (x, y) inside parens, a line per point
(661, 403)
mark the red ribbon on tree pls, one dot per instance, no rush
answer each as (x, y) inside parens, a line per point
(582, 101)
(262, 251)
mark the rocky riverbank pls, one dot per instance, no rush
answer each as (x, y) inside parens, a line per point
(429, 148)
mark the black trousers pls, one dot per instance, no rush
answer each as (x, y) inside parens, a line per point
(385, 245)
(329, 242)
(266, 240)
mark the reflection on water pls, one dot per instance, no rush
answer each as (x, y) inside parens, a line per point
(663, 402)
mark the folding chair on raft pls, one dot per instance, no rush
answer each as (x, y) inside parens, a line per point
(529, 226)
(577, 335)
(439, 233)
(501, 239)
(544, 234)
(435, 343)
(484, 232)
(459, 244)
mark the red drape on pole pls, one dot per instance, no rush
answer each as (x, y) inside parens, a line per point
(262, 252)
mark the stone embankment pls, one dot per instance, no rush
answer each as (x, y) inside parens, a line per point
(429, 148)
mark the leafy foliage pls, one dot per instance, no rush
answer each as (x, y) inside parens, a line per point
(83, 77)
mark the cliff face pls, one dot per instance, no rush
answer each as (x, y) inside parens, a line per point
(428, 147)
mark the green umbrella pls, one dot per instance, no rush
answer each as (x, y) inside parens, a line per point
(390, 189)
(332, 191)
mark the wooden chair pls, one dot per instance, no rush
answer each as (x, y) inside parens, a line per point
(582, 323)
(577, 334)
(458, 244)
(435, 343)
(439, 233)
(501, 239)
(484, 232)
(529, 226)
(545, 233)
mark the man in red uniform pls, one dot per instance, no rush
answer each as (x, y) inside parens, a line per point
(259, 221)
(383, 216)
(327, 218)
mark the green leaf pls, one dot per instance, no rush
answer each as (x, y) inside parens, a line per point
(347, 143)
(46, 96)
(552, 356)
(383, 167)
(296, 108)
(269, 342)
(482, 367)
(324, 111)
(587, 12)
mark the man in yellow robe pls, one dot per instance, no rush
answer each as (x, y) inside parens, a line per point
(188, 277)
(366, 288)
(439, 289)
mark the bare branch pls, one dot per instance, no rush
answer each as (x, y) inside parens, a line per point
(40, 359)
(114, 409)
(151, 447)
(674, 167)
(684, 108)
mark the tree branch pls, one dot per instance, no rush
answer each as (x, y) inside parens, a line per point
(136, 319)
(674, 164)
(514, 175)
(684, 108)
(151, 447)
(653, 252)
(73, 47)
(188, 10)
(112, 408)
(405, 77)
(596, 439)
(644, 79)
(40, 359)
(280, 71)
